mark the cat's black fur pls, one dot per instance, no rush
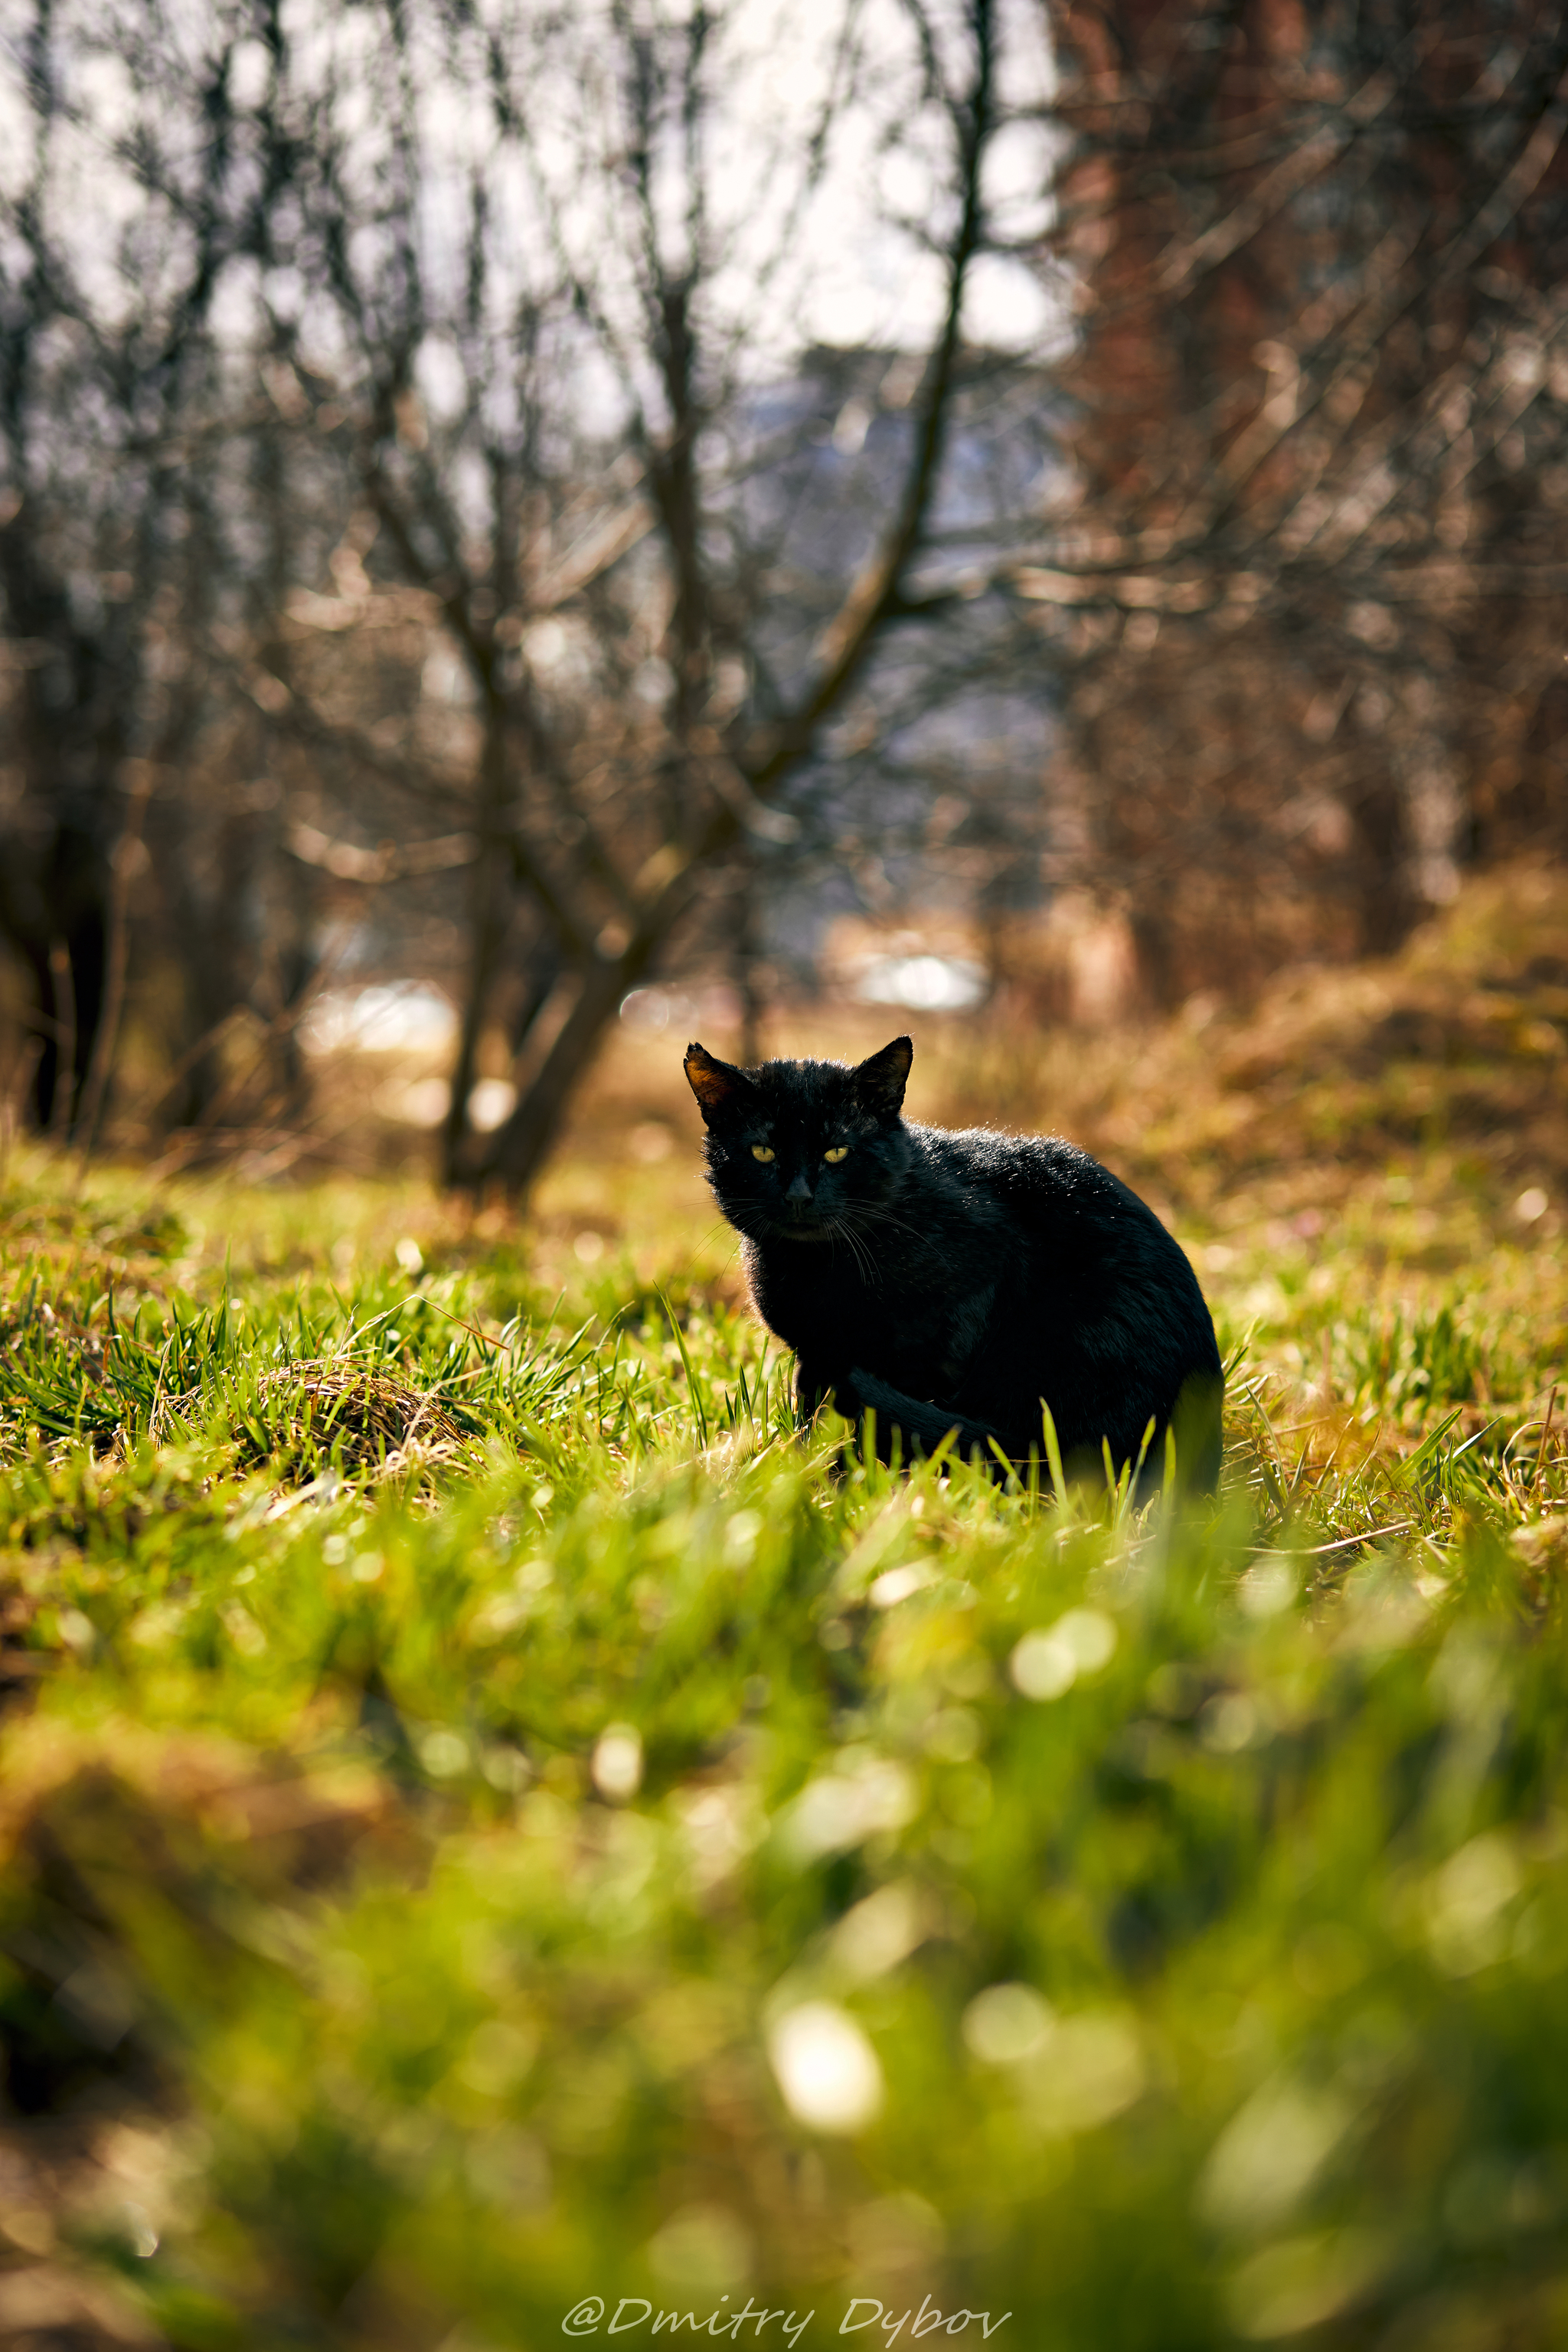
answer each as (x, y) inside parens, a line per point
(954, 1280)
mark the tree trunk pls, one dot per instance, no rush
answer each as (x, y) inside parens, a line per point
(68, 967)
(1387, 904)
(519, 1148)
(493, 910)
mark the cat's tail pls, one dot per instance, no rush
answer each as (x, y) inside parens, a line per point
(921, 1427)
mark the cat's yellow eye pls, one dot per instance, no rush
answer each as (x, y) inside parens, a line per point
(761, 1152)
(839, 1151)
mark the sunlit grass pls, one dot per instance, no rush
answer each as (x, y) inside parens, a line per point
(494, 1814)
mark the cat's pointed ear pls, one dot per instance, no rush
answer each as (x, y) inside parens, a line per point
(717, 1085)
(879, 1082)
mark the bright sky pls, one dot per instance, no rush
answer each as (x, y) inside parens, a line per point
(843, 269)
(852, 276)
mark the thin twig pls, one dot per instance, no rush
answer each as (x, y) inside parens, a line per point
(1545, 1441)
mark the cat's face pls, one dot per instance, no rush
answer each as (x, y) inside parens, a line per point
(800, 1150)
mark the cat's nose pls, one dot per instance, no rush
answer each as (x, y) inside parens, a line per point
(799, 1190)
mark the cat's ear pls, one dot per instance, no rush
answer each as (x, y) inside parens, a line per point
(879, 1082)
(718, 1086)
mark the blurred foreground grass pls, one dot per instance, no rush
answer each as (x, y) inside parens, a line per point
(493, 1817)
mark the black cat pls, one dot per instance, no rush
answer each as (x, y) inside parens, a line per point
(956, 1280)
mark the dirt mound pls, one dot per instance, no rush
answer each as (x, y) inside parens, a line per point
(314, 1411)
(1463, 1036)
(1453, 1055)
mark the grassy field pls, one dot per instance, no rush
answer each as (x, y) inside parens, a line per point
(502, 1833)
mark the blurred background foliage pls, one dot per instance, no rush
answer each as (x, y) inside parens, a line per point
(518, 521)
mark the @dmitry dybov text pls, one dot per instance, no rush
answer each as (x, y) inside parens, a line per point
(593, 2316)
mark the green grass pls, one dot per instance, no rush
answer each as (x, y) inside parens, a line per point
(493, 1815)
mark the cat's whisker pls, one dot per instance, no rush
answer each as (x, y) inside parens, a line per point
(837, 1232)
(874, 1214)
(840, 1230)
(857, 1251)
(725, 1263)
(886, 1220)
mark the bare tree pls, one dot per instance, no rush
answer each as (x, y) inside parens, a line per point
(546, 300)
(128, 205)
(1304, 600)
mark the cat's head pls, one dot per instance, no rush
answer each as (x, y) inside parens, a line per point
(797, 1151)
